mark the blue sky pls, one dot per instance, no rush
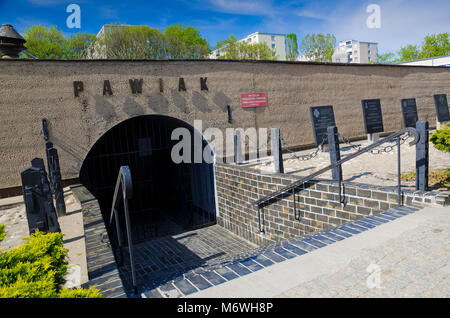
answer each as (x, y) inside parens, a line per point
(402, 21)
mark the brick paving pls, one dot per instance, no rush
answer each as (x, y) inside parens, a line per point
(166, 258)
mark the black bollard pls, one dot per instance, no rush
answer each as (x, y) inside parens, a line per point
(422, 156)
(276, 150)
(56, 181)
(335, 154)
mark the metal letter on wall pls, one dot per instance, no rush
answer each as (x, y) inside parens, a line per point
(203, 86)
(181, 85)
(78, 87)
(107, 88)
(136, 85)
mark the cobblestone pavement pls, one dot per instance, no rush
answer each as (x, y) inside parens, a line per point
(378, 169)
(416, 264)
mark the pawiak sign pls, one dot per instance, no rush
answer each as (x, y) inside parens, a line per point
(253, 99)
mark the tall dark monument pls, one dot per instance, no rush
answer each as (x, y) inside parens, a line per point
(11, 42)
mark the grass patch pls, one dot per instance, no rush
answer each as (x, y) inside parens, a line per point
(439, 178)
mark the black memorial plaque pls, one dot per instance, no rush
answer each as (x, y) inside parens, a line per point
(440, 100)
(409, 112)
(373, 119)
(321, 117)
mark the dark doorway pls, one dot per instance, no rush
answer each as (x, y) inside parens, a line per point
(164, 192)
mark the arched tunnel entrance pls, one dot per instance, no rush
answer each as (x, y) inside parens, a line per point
(168, 198)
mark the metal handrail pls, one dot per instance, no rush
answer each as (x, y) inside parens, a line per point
(124, 190)
(291, 187)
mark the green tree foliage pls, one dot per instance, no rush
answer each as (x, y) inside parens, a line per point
(184, 42)
(43, 42)
(130, 42)
(36, 269)
(387, 58)
(441, 138)
(242, 50)
(409, 53)
(436, 45)
(433, 45)
(142, 42)
(76, 46)
(49, 43)
(318, 47)
(292, 47)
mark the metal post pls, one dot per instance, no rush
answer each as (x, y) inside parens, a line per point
(294, 203)
(399, 191)
(56, 181)
(422, 156)
(335, 154)
(238, 154)
(276, 150)
(130, 244)
(261, 229)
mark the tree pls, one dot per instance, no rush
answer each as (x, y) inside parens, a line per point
(76, 46)
(435, 45)
(387, 58)
(242, 50)
(292, 46)
(44, 43)
(130, 42)
(318, 47)
(409, 53)
(184, 42)
(49, 43)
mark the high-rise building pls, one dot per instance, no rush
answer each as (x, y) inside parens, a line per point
(276, 42)
(353, 51)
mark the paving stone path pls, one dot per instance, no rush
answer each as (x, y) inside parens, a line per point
(406, 256)
(416, 264)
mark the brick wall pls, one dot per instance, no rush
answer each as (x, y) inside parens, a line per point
(317, 203)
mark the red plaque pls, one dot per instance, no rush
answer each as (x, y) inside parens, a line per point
(253, 99)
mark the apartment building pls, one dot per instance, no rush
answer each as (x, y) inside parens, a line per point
(276, 42)
(354, 51)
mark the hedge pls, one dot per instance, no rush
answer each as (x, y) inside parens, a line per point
(441, 138)
(36, 269)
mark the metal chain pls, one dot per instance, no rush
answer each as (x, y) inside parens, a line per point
(303, 157)
(347, 141)
(386, 149)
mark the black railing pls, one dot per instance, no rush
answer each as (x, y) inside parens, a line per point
(124, 191)
(291, 187)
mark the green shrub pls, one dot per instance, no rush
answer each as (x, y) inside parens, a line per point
(2, 232)
(441, 138)
(36, 269)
